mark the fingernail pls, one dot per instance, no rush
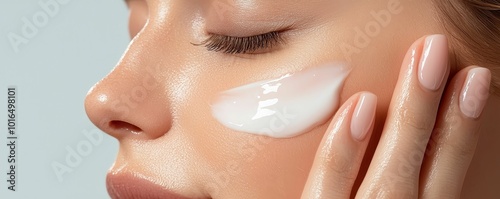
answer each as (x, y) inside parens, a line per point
(363, 116)
(433, 62)
(475, 92)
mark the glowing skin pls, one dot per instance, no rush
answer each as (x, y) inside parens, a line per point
(284, 107)
(170, 136)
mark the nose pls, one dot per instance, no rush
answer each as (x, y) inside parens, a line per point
(127, 103)
(137, 98)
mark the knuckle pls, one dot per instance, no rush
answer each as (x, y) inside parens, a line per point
(460, 150)
(456, 142)
(392, 194)
(417, 121)
(391, 189)
(342, 166)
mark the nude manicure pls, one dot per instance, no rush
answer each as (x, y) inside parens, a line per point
(363, 116)
(433, 62)
(475, 92)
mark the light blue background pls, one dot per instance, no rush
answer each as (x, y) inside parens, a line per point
(53, 72)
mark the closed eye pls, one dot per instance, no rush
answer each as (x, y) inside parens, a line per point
(243, 45)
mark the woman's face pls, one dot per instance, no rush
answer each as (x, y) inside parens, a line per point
(157, 100)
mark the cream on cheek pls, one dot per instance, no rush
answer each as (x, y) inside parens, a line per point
(284, 107)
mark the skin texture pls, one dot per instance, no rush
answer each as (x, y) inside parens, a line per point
(156, 100)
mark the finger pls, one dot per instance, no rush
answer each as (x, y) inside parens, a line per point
(394, 170)
(341, 151)
(455, 136)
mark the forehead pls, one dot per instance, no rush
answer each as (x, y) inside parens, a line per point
(263, 8)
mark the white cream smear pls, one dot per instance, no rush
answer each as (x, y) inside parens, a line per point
(284, 107)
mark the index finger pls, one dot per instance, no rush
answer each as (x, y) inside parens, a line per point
(337, 161)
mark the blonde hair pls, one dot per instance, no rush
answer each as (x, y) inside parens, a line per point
(474, 30)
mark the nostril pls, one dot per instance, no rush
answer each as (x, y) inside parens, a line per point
(124, 126)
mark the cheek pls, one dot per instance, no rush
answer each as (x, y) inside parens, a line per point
(284, 107)
(374, 73)
(375, 40)
(245, 162)
(237, 163)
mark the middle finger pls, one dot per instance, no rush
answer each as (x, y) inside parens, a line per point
(394, 170)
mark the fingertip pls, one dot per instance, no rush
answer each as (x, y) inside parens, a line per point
(456, 133)
(340, 154)
(475, 92)
(363, 116)
(433, 65)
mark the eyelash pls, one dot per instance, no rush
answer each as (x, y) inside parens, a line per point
(242, 45)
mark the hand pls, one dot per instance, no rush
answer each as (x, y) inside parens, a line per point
(428, 139)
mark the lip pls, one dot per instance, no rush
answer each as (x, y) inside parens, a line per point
(127, 186)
